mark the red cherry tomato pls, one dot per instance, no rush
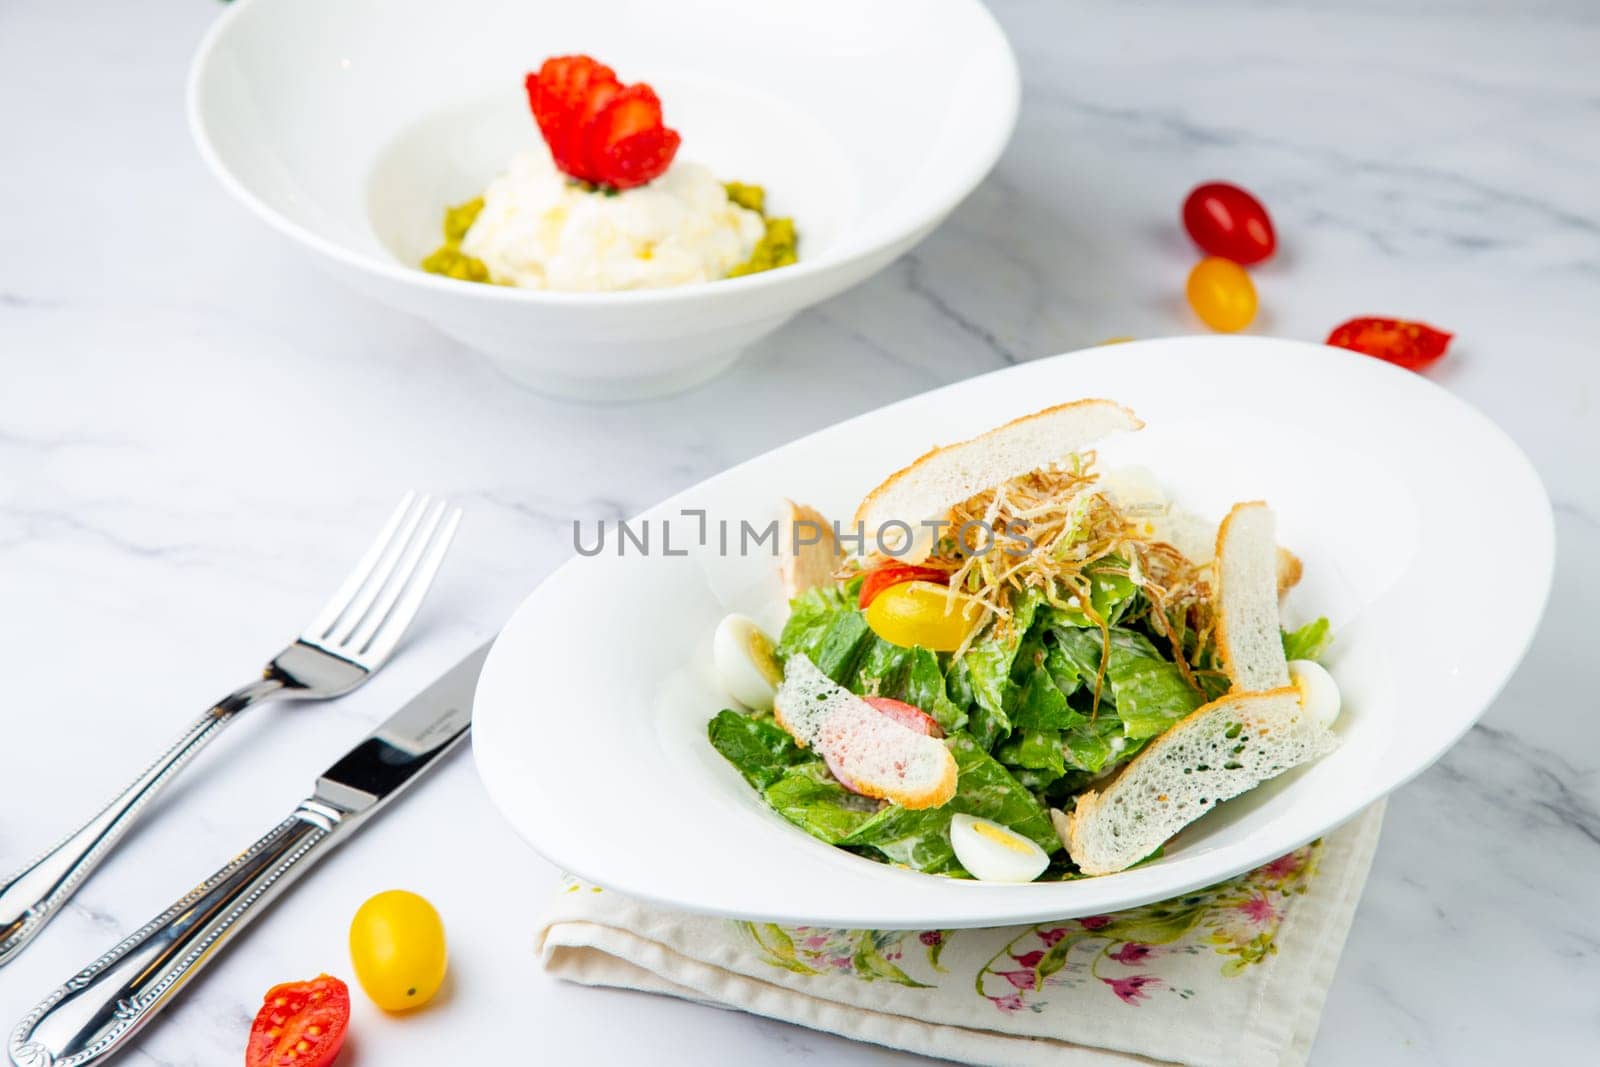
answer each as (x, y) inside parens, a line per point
(1226, 221)
(884, 575)
(907, 715)
(300, 1024)
(1412, 345)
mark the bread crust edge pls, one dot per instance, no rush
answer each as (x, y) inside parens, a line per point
(1089, 802)
(1224, 644)
(888, 483)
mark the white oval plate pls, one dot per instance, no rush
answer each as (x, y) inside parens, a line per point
(590, 725)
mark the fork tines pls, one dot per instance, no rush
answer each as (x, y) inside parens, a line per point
(364, 620)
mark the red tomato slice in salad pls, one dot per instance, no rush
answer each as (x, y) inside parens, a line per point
(300, 1024)
(885, 575)
(908, 715)
(1412, 345)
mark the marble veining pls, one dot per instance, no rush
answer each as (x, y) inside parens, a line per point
(197, 432)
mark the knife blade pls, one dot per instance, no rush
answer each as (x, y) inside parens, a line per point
(95, 1014)
(406, 743)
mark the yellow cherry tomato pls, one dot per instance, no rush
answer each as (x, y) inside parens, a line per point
(1222, 294)
(914, 614)
(398, 951)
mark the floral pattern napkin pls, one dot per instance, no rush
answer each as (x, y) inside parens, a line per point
(1233, 975)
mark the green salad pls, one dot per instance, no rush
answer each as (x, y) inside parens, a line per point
(1081, 656)
(1019, 713)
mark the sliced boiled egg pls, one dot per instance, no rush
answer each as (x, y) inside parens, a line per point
(994, 853)
(745, 662)
(1319, 693)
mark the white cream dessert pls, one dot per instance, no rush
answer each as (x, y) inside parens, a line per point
(539, 230)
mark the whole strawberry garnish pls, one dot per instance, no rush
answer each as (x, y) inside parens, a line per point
(598, 129)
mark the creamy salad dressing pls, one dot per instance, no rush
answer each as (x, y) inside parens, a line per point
(538, 230)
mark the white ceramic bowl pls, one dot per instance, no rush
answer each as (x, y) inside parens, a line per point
(589, 726)
(350, 125)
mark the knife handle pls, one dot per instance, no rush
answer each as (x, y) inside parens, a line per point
(95, 1013)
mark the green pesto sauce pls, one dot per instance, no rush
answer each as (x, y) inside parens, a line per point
(778, 247)
(448, 259)
(749, 197)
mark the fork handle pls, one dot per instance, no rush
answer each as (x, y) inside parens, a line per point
(96, 1012)
(34, 895)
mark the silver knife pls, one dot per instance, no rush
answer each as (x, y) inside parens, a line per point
(95, 1014)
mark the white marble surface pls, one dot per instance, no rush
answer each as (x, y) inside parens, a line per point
(197, 433)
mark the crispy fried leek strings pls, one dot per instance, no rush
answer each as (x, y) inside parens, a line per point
(1077, 532)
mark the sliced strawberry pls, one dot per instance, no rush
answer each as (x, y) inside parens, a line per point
(626, 143)
(577, 146)
(908, 715)
(560, 95)
(641, 158)
(563, 83)
(599, 130)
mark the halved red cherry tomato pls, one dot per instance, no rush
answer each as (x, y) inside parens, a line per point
(907, 715)
(1226, 221)
(1412, 345)
(884, 575)
(300, 1024)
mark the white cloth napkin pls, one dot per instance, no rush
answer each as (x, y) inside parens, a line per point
(1232, 976)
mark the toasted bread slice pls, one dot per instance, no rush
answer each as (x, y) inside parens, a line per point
(931, 486)
(1245, 571)
(1196, 538)
(808, 551)
(881, 757)
(1218, 751)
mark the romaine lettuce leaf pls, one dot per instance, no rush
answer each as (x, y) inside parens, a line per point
(988, 667)
(921, 839)
(1098, 744)
(1034, 750)
(809, 797)
(1147, 690)
(1110, 594)
(760, 749)
(840, 649)
(909, 674)
(1150, 692)
(1039, 704)
(1308, 642)
(958, 684)
(1063, 671)
(811, 614)
(1077, 650)
(825, 624)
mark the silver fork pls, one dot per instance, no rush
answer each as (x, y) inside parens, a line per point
(344, 646)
